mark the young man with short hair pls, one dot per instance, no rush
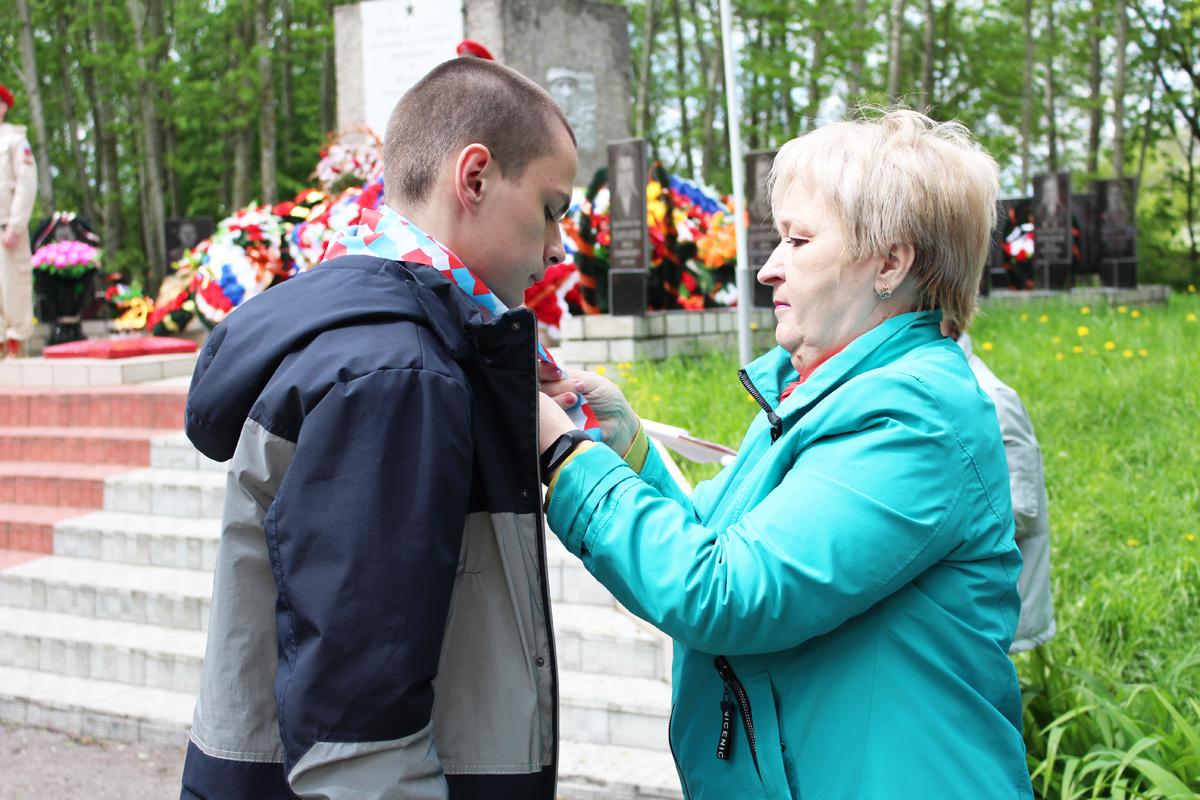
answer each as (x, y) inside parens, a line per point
(380, 623)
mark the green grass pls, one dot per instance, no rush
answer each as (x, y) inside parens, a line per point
(1120, 435)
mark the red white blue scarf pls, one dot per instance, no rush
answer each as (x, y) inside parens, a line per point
(387, 234)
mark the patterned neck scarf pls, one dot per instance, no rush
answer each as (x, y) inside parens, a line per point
(386, 234)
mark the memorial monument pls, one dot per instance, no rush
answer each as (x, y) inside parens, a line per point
(1116, 224)
(1053, 239)
(761, 236)
(629, 252)
(577, 49)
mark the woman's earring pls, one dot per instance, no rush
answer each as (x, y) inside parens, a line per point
(886, 293)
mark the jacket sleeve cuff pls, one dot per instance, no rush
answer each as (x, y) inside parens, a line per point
(636, 456)
(554, 480)
(581, 485)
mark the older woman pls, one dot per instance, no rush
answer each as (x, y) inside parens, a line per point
(843, 595)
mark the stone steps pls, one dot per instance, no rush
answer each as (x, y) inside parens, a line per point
(119, 406)
(49, 484)
(176, 451)
(612, 709)
(590, 638)
(30, 528)
(99, 649)
(189, 493)
(570, 582)
(589, 771)
(115, 712)
(82, 445)
(143, 539)
(157, 596)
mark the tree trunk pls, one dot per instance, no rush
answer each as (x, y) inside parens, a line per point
(928, 54)
(649, 29)
(108, 184)
(815, 69)
(151, 161)
(710, 60)
(266, 114)
(286, 101)
(1119, 90)
(1145, 140)
(33, 90)
(1051, 121)
(1096, 112)
(895, 51)
(685, 131)
(72, 126)
(854, 84)
(243, 134)
(329, 80)
(1027, 97)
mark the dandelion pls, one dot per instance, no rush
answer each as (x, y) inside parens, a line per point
(1056, 340)
(1082, 330)
(1191, 287)
(624, 365)
(751, 399)
(1110, 345)
(1044, 318)
(753, 326)
(1058, 356)
(635, 380)
(1143, 352)
(656, 399)
(1136, 314)
(1191, 537)
(987, 345)
(1077, 349)
(600, 370)
(1133, 542)
(1121, 309)
(1024, 317)
(1128, 354)
(1085, 310)
(1191, 317)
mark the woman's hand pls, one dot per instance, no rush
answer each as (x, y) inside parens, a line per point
(618, 423)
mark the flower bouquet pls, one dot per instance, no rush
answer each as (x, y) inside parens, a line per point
(350, 158)
(63, 274)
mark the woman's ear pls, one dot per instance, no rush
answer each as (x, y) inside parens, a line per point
(895, 267)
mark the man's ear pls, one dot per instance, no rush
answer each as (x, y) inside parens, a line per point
(895, 267)
(472, 175)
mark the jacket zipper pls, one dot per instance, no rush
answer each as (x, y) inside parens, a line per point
(678, 768)
(544, 573)
(772, 417)
(734, 686)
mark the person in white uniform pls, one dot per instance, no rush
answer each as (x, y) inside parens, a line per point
(18, 190)
(1027, 481)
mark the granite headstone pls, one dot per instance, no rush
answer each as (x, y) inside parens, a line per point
(184, 233)
(1053, 240)
(629, 251)
(1116, 221)
(761, 236)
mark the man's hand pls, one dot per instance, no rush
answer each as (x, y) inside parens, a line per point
(618, 423)
(10, 238)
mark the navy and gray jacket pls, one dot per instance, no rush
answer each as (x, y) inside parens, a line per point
(380, 623)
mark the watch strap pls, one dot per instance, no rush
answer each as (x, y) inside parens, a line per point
(557, 452)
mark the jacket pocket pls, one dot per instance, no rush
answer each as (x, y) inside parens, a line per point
(752, 709)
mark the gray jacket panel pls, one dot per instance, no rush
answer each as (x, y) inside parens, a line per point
(1030, 510)
(236, 716)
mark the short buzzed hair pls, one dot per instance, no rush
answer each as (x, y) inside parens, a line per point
(461, 102)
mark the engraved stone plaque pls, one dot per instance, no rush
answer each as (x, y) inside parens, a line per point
(629, 251)
(761, 236)
(575, 93)
(1053, 242)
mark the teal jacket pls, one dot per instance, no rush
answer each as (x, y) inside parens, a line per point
(843, 595)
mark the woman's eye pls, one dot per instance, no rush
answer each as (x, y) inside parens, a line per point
(796, 241)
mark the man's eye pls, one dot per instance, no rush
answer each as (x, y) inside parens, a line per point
(549, 214)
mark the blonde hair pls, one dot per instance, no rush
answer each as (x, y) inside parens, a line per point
(901, 177)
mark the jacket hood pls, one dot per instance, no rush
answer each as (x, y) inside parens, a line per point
(245, 350)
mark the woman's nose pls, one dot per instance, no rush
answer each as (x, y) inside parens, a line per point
(771, 273)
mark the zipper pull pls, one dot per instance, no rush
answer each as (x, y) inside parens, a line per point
(726, 741)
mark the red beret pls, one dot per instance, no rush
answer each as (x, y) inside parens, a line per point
(470, 47)
(6, 96)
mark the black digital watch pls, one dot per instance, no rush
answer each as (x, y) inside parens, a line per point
(558, 452)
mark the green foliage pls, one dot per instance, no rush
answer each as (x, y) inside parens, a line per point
(1110, 704)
